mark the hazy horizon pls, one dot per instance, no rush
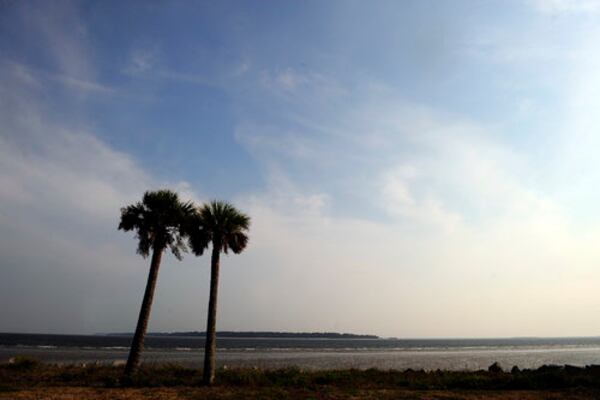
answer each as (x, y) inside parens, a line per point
(412, 169)
(433, 338)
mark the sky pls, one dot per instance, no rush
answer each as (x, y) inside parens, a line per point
(412, 169)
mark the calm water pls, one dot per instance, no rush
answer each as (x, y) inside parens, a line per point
(454, 354)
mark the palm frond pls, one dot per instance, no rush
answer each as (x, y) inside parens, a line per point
(221, 224)
(158, 220)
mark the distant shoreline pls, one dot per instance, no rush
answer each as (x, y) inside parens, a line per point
(257, 334)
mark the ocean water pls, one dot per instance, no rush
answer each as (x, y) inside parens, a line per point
(428, 354)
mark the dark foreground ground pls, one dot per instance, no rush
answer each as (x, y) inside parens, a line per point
(76, 393)
(28, 379)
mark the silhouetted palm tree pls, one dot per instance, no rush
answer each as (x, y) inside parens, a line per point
(158, 220)
(225, 227)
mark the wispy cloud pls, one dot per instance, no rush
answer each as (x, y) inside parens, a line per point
(142, 60)
(63, 41)
(149, 63)
(460, 212)
(555, 7)
(84, 85)
(61, 189)
(389, 264)
(287, 79)
(63, 37)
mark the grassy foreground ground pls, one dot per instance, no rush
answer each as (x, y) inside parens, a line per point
(227, 393)
(29, 379)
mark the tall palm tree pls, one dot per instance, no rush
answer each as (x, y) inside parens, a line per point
(159, 221)
(222, 225)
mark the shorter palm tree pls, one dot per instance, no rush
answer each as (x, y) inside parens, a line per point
(159, 221)
(222, 225)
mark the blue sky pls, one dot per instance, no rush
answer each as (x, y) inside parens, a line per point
(413, 169)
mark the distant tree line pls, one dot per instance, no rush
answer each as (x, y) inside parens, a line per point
(264, 334)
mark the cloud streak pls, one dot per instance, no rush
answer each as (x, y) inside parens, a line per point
(556, 7)
(458, 212)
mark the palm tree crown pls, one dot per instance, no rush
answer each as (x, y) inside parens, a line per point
(221, 224)
(159, 220)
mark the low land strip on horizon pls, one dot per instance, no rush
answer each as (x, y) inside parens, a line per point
(259, 334)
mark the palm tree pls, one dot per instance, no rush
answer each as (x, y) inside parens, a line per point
(225, 227)
(158, 220)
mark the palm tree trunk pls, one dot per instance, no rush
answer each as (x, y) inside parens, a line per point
(211, 324)
(137, 345)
